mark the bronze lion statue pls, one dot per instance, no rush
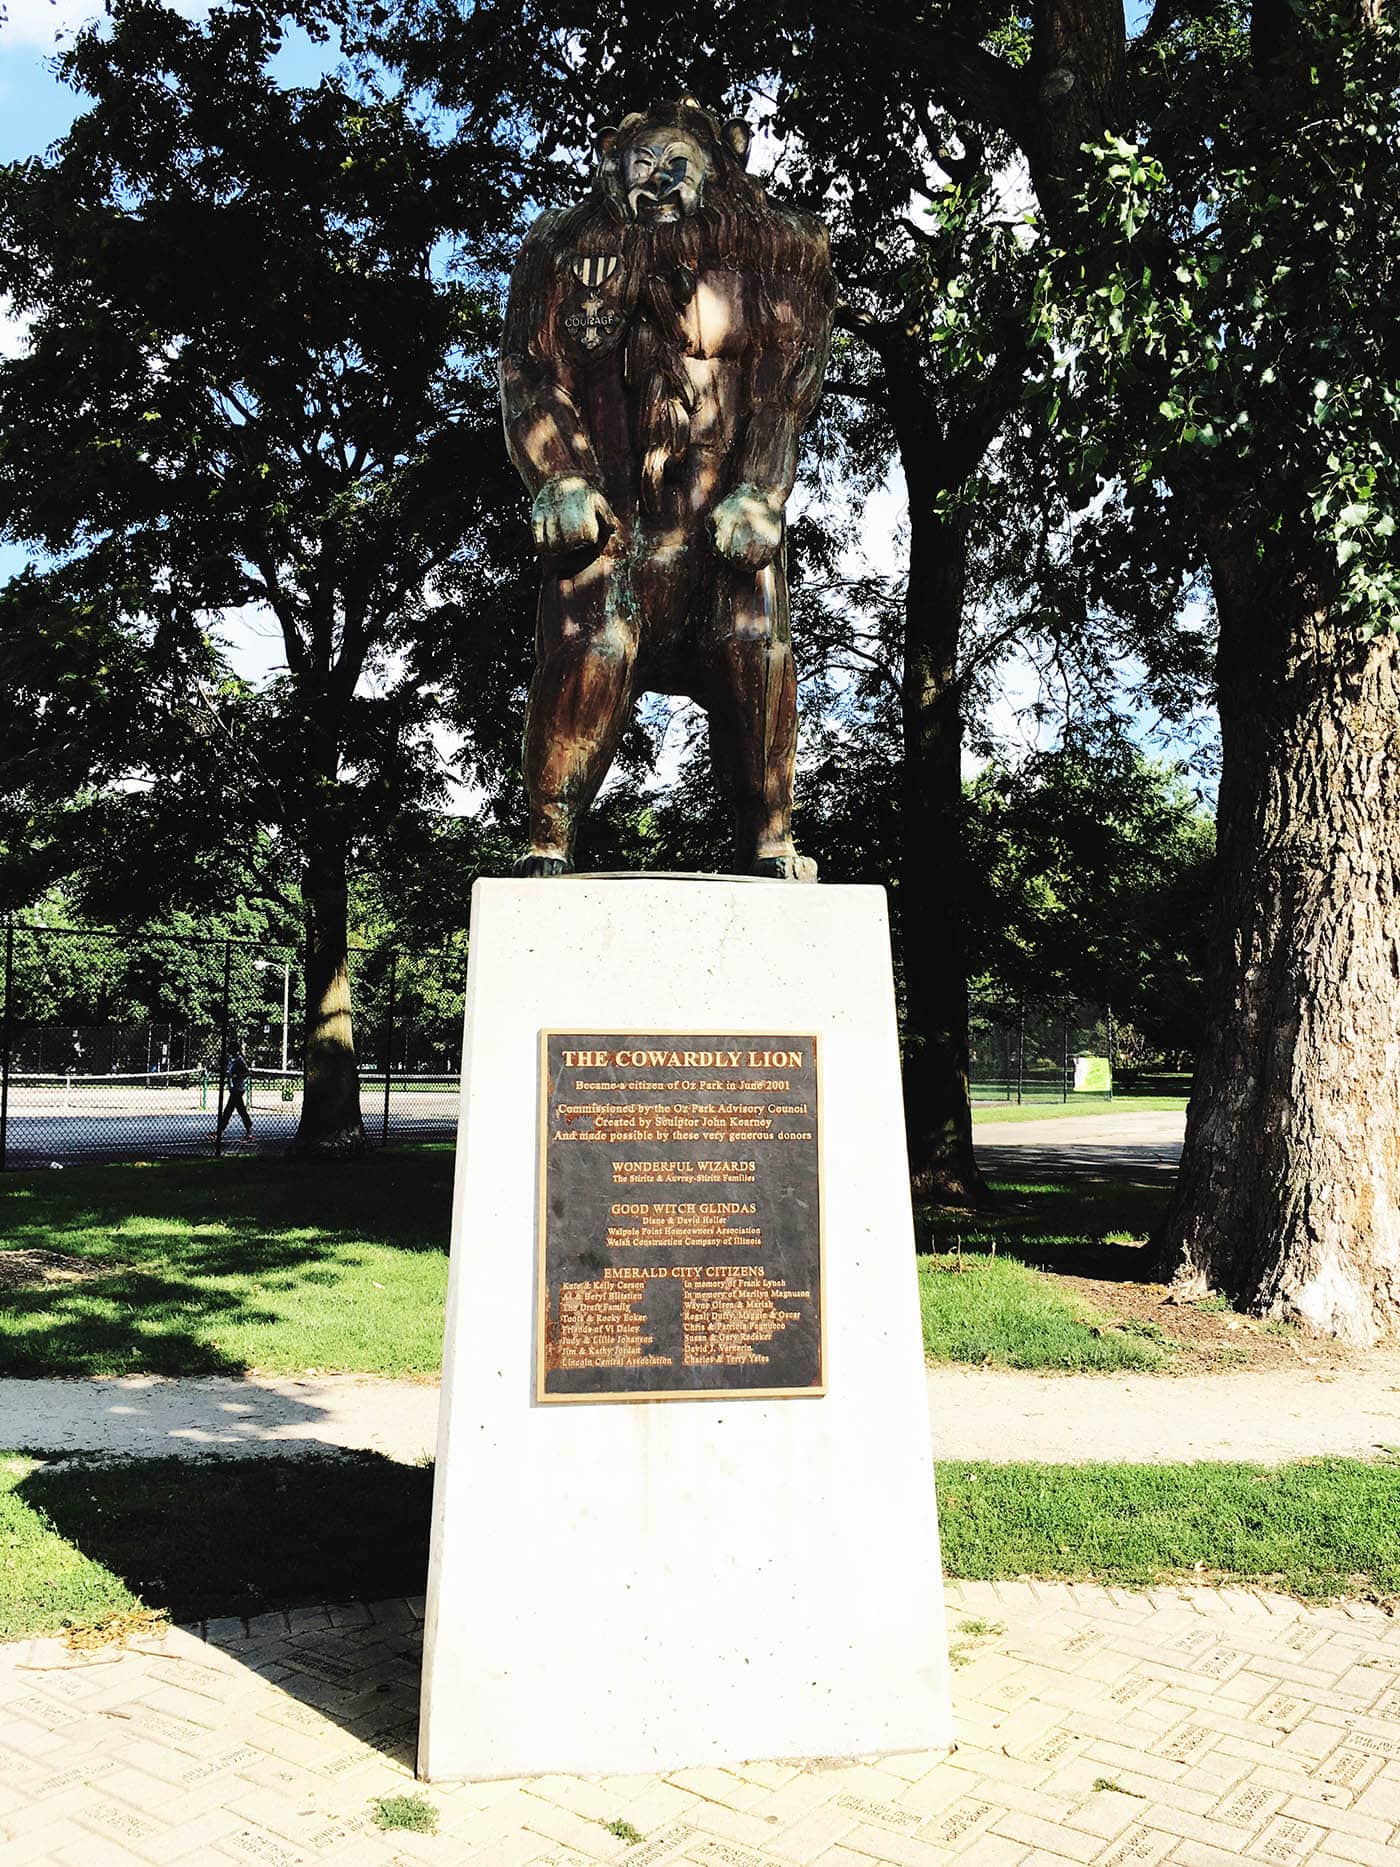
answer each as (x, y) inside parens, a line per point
(665, 340)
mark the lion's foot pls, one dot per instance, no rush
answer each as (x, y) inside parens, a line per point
(536, 864)
(786, 868)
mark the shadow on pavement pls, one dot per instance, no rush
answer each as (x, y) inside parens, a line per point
(1145, 1165)
(240, 1538)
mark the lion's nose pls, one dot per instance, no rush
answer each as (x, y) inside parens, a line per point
(672, 176)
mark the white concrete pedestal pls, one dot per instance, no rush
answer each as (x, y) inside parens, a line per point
(647, 1585)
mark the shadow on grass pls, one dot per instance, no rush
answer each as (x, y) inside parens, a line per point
(1082, 1225)
(180, 1250)
(211, 1537)
(237, 1537)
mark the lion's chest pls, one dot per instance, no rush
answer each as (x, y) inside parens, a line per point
(717, 320)
(603, 311)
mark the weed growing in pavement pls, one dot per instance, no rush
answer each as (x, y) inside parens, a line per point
(410, 1812)
(116, 1628)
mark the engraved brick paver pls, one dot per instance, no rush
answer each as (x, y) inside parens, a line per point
(1178, 1728)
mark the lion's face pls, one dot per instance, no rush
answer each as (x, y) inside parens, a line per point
(663, 172)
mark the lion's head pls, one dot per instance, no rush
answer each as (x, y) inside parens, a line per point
(657, 164)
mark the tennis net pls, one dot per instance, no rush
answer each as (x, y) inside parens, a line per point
(150, 1092)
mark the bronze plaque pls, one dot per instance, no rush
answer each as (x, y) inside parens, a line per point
(680, 1217)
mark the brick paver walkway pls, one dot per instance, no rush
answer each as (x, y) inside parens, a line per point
(1181, 1726)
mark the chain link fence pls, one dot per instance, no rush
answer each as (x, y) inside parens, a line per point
(117, 1046)
(1071, 1051)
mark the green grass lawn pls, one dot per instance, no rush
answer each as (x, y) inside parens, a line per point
(1051, 1109)
(238, 1536)
(218, 1267)
(1319, 1528)
(983, 1301)
(221, 1267)
(998, 1313)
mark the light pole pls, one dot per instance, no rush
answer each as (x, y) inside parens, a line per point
(262, 966)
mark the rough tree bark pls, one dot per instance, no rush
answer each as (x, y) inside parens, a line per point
(330, 1106)
(935, 457)
(937, 1107)
(1078, 67)
(1288, 1199)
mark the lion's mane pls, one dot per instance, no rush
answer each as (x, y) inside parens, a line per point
(782, 253)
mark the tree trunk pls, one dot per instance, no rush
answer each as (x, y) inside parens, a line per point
(1078, 66)
(937, 1108)
(1288, 1200)
(330, 1105)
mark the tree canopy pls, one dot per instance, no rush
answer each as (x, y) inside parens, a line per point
(251, 378)
(1117, 312)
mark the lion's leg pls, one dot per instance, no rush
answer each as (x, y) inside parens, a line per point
(580, 698)
(751, 698)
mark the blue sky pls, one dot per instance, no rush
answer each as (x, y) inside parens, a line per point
(36, 109)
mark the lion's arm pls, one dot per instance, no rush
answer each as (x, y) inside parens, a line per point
(546, 436)
(545, 433)
(786, 383)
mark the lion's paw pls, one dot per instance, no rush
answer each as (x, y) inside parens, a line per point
(788, 868)
(535, 864)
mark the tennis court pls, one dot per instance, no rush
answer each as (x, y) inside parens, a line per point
(53, 1119)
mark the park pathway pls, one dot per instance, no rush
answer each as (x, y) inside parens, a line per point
(1182, 1726)
(1143, 1145)
(977, 1413)
(1176, 1727)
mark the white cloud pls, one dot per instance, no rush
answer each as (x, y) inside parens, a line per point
(39, 22)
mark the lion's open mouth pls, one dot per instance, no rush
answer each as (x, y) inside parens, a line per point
(656, 207)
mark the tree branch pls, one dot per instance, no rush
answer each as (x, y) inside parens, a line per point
(960, 73)
(857, 391)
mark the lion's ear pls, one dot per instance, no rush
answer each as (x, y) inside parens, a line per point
(605, 139)
(737, 137)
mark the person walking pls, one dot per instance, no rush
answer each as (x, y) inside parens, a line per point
(236, 1075)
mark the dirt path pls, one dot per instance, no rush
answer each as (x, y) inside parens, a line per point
(977, 1413)
(1144, 1145)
